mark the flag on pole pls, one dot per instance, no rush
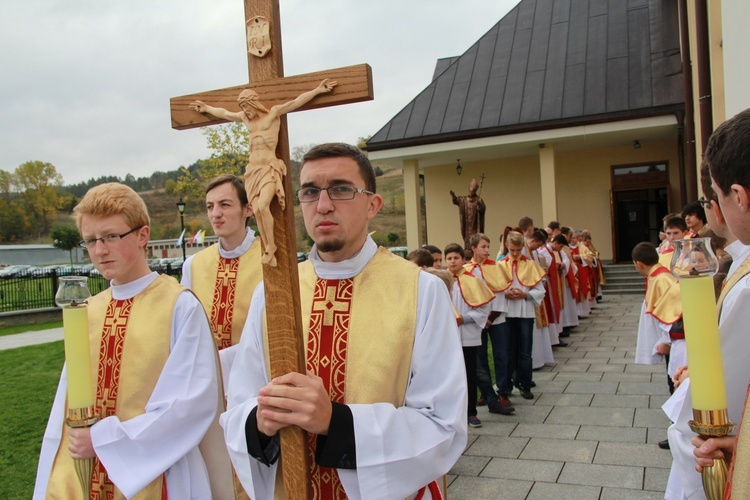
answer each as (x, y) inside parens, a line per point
(195, 237)
(201, 236)
(179, 240)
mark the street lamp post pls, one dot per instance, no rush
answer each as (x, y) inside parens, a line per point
(181, 208)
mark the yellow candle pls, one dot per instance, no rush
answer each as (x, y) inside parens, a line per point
(78, 357)
(703, 348)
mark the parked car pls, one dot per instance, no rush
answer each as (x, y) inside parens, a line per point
(12, 271)
(402, 251)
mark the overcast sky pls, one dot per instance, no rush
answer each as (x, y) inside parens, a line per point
(87, 82)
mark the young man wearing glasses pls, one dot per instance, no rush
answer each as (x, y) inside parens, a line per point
(384, 397)
(157, 383)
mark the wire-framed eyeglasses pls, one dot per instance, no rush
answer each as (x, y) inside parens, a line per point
(107, 239)
(704, 202)
(335, 193)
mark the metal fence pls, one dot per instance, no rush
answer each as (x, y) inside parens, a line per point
(35, 289)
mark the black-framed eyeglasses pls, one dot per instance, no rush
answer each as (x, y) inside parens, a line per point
(107, 239)
(336, 193)
(704, 202)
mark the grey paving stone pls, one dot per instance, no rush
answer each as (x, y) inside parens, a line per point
(606, 368)
(527, 413)
(581, 361)
(618, 401)
(492, 427)
(579, 387)
(470, 465)
(560, 431)
(595, 349)
(523, 470)
(604, 355)
(544, 375)
(550, 386)
(589, 328)
(487, 488)
(643, 388)
(571, 367)
(656, 401)
(553, 399)
(621, 417)
(656, 479)
(645, 417)
(616, 343)
(547, 491)
(616, 476)
(656, 434)
(626, 494)
(612, 433)
(559, 450)
(626, 377)
(620, 361)
(633, 368)
(586, 343)
(583, 375)
(638, 455)
(563, 353)
(494, 446)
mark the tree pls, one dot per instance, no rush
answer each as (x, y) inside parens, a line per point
(37, 181)
(65, 238)
(231, 148)
(13, 222)
(298, 152)
(6, 185)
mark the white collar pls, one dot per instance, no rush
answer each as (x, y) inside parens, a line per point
(347, 268)
(739, 253)
(736, 249)
(240, 250)
(133, 288)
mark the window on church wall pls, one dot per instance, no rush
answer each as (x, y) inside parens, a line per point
(639, 175)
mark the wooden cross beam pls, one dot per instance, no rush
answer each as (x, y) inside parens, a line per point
(266, 77)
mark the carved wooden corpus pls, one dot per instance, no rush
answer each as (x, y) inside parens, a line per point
(266, 74)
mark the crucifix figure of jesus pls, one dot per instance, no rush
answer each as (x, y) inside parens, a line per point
(265, 172)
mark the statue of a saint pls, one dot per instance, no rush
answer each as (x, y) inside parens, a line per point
(471, 211)
(264, 172)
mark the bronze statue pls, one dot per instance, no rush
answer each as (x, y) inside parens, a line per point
(264, 172)
(471, 211)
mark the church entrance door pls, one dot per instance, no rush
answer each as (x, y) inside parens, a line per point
(640, 198)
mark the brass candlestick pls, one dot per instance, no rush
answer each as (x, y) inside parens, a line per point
(707, 424)
(80, 418)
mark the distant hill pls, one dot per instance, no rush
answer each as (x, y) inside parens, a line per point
(165, 219)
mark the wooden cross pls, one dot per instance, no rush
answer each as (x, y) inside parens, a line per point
(266, 76)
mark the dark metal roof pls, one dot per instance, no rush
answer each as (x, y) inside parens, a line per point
(549, 64)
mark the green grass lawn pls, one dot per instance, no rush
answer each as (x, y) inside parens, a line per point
(28, 380)
(12, 330)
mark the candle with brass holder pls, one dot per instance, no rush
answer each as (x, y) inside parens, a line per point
(72, 296)
(694, 264)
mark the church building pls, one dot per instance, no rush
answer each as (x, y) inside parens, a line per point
(581, 111)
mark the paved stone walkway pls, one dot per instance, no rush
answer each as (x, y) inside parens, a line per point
(591, 431)
(30, 338)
